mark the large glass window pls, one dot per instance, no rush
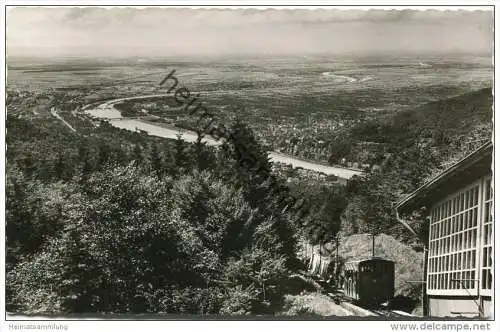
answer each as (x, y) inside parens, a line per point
(453, 241)
(486, 276)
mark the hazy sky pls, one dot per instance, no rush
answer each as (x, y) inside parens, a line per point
(163, 32)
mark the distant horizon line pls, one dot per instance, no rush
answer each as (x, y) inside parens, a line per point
(254, 55)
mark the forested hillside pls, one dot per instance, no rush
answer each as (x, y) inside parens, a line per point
(104, 220)
(111, 221)
(412, 146)
(445, 125)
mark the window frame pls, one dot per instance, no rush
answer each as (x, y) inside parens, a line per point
(455, 241)
(487, 221)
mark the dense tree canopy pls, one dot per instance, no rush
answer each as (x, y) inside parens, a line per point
(136, 224)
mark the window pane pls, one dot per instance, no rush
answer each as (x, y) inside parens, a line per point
(486, 209)
(487, 212)
(488, 190)
(485, 257)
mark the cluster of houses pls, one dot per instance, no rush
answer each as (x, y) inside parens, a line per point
(299, 174)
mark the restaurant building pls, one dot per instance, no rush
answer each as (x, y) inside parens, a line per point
(459, 271)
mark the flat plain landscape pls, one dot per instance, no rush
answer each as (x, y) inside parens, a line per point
(293, 103)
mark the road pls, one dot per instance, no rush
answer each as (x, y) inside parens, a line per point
(108, 112)
(54, 113)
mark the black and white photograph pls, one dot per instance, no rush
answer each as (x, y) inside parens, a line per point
(249, 163)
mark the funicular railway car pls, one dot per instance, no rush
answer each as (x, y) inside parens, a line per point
(369, 282)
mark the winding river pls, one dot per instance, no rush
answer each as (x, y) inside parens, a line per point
(106, 111)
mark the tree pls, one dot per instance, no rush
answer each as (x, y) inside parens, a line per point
(137, 153)
(125, 240)
(156, 160)
(117, 236)
(182, 159)
(325, 206)
(86, 166)
(203, 155)
(33, 214)
(60, 168)
(103, 155)
(340, 148)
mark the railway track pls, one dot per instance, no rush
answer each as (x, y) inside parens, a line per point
(340, 298)
(390, 313)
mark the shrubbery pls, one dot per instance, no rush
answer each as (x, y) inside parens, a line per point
(143, 235)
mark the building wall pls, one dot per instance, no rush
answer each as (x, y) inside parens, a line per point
(452, 306)
(488, 307)
(460, 248)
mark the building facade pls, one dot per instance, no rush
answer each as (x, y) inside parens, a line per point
(459, 271)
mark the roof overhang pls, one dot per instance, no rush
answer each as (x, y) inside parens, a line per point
(465, 171)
